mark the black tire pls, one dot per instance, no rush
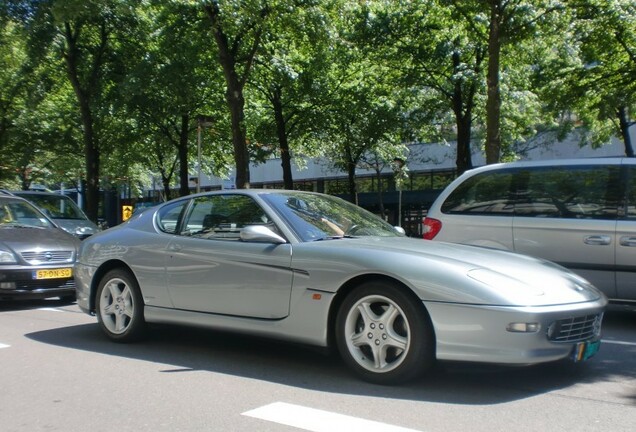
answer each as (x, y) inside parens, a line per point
(119, 306)
(384, 335)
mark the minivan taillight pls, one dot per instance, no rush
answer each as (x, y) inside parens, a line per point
(431, 228)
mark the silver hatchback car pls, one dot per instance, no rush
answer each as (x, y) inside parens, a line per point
(578, 213)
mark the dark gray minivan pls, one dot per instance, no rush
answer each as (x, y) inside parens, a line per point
(579, 213)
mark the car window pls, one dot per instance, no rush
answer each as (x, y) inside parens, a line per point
(221, 217)
(630, 208)
(487, 193)
(21, 213)
(585, 192)
(55, 206)
(320, 217)
(168, 216)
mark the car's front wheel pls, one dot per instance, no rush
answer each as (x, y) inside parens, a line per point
(383, 334)
(119, 306)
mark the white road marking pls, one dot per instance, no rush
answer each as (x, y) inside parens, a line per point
(4, 346)
(615, 342)
(51, 309)
(315, 420)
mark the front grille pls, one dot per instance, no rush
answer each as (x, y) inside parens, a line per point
(46, 257)
(575, 329)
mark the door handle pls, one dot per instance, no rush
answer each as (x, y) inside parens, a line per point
(174, 247)
(597, 240)
(628, 241)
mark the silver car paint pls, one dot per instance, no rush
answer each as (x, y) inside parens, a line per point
(301, 291)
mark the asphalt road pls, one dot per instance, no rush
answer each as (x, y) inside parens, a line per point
(59, 373)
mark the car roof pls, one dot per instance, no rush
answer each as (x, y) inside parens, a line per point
(556, 162)
(30, 192)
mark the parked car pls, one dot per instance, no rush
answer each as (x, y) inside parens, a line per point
(36, 257)
(63, 211)
(578, 213)
(314, 269)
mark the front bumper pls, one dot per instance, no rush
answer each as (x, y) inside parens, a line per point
(478, 333)
(21, 284)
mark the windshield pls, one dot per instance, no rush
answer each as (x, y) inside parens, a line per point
(56, 206)
(319, 217)
(21, 214)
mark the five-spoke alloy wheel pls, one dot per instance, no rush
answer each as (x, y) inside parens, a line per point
(383, 334)
(119, 306)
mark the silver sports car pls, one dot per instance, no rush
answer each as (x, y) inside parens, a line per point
(314, 269)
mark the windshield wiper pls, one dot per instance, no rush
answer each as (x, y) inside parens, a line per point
(335, 237)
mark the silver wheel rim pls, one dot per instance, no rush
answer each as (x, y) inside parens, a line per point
(377, 333)
(116, 306)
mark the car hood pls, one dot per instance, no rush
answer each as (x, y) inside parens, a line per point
(28, 239)
(78, 227)
(439, 271)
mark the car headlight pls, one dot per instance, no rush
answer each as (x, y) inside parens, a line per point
(7, 258)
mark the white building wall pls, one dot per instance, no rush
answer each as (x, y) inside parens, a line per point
(429, 157)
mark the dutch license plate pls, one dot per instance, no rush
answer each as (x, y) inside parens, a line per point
(584, 350)
(58, 273)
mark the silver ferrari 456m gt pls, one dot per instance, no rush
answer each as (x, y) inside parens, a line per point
(315, 269)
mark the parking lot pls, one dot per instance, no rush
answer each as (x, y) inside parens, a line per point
(60, 373)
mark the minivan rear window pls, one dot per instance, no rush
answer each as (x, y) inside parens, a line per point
(486, 193)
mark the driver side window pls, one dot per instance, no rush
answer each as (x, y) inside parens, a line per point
(222, 217)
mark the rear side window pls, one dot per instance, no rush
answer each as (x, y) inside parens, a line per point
(487, 193)
(168, 216)
(583, 192)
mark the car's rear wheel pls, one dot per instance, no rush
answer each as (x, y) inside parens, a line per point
(383, 334)
(120, 306)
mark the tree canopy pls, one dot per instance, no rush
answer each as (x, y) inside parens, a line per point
(99, 92)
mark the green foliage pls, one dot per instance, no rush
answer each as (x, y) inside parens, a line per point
(352, 81)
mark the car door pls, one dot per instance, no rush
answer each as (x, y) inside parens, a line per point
(626, 242)
(211, 270)
(567, 214)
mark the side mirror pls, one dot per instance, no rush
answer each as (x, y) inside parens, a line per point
(400, 230)
(260, 234)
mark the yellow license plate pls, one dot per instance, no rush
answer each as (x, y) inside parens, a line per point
(53, 273)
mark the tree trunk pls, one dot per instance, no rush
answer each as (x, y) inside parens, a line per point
(91, 146)
(463, 121)
(351, 175)
(184, 176)
(493, 103)
(281, 131)
(623, 117)
(228, 57)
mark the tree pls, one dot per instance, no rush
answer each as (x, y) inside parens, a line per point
(171, 83)
(601, 85)
(364, 110)
(442, 62)
(91, 38)
(237, 31)
(290, 78)
(509, 24)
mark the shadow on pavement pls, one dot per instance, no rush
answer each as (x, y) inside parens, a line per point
(183, 350)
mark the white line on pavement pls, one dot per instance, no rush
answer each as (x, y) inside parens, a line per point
(4, 346)
(615, 342)
(51, 309)
(315, 420)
